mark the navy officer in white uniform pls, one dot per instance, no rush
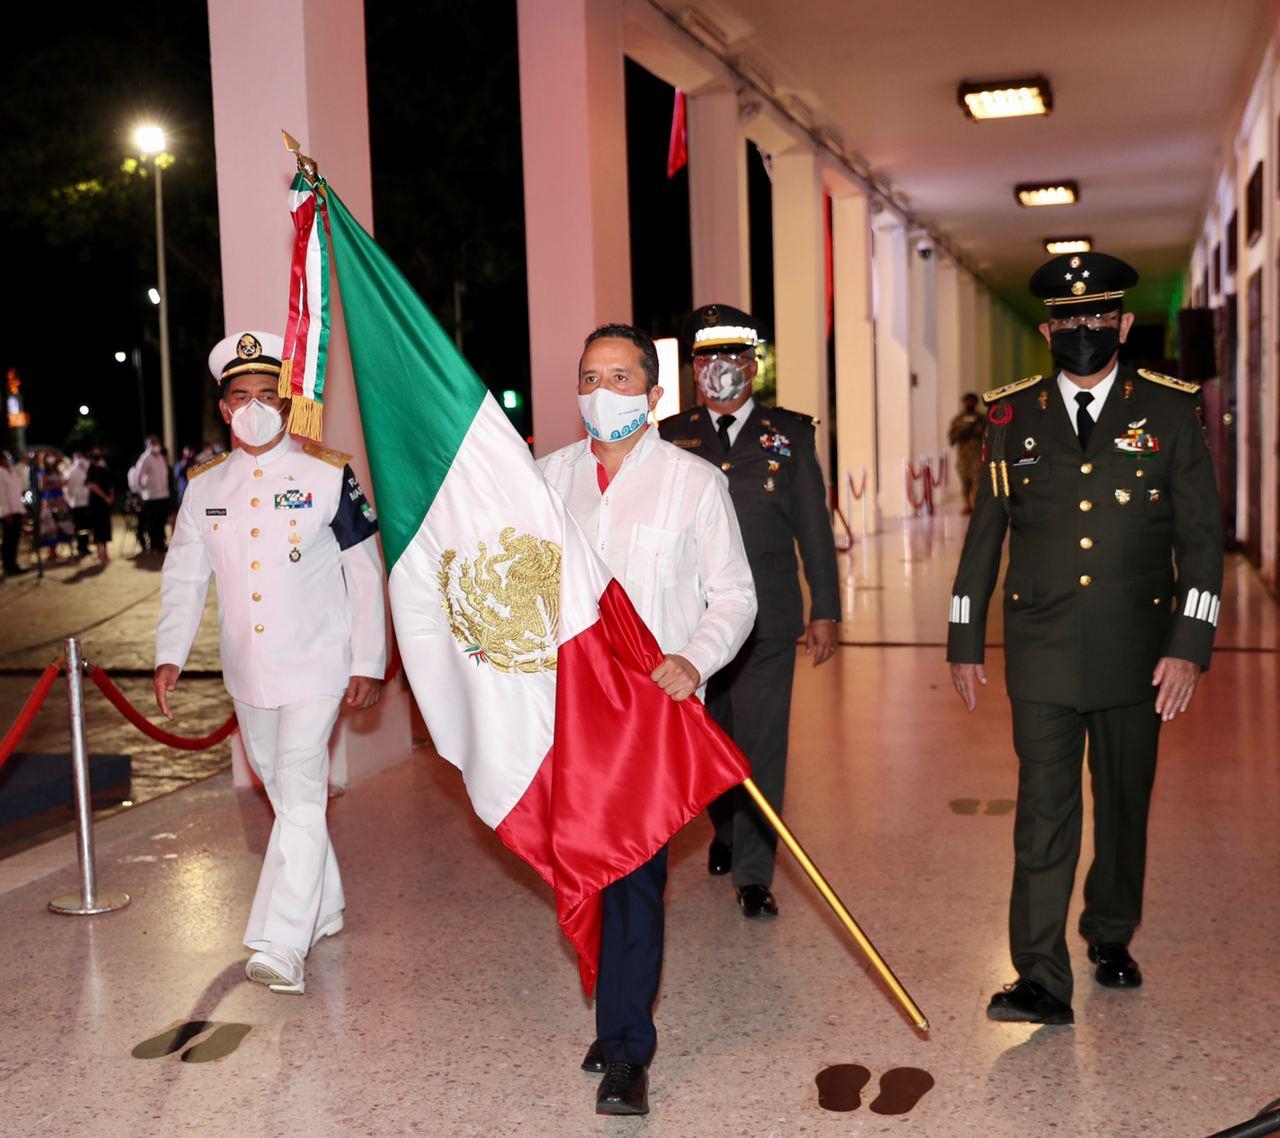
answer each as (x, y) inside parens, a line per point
(289, 535)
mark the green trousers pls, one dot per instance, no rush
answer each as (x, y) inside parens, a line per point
(1050, 743)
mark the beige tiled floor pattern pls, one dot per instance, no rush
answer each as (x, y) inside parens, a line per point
(449, 1006)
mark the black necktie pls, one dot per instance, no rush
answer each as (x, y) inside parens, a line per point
(722, 429)
(1084, 421)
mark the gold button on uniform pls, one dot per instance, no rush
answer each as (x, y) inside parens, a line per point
(257, 473)
(1086, 543)
(257, 596)
(257, 628)
(293, 521)
(255, 532)
(255, 502)
(1139, 473)
(1086, 468)
(1086, 580)
(1026, 481)
(215, 525)
(255, 564)
(1086, 505)
(1016, 597)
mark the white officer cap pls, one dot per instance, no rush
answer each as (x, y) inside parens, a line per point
(245, 352)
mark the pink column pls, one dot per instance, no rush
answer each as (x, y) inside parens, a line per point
(573, 130)
(297, 65)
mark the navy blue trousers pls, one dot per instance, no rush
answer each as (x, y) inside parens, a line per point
(631, 962)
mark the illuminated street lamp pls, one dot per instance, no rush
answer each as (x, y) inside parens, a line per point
(150, 142)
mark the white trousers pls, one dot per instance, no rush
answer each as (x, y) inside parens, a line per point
(299, 888)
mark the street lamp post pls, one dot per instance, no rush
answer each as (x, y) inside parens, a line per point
(150, 140)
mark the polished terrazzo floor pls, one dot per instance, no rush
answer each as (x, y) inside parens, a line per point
(450, 1005)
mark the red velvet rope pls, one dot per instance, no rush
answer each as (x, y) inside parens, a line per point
(942, 470)
(29, 710)
(862, 486)
(117, 700)
(926, 496)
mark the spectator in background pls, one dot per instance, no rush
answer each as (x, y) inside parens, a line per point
(185, 462)
(55, 518)
(966, 433)
(77, 494)
(12, 509)
(102, 496)
(149, 479)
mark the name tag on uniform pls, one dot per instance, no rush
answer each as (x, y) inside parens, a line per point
(213, 513)
(294, 500)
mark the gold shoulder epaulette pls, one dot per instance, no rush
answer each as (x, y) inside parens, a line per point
(1010, 388)
(324, 454)
(1183, 385)
(196, 471)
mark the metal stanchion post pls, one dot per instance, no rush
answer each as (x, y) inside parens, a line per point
(87, 901)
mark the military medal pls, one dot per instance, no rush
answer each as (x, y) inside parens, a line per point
(1043, 400)
(1123, 496)
(295, 554)
(1128, 388)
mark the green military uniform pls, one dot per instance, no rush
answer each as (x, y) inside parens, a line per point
(779, 496)
(1115, 560)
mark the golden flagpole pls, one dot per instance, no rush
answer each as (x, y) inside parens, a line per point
(837, 906)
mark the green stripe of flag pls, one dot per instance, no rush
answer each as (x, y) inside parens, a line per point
(417, 393)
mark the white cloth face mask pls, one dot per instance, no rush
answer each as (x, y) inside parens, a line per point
(611, 417)
(722, 382)
(255, 424)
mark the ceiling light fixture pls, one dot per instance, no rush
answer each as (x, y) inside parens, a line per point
(1056, 246)
(1005, 98)
(1046, 193)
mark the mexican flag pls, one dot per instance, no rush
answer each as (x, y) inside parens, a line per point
(527, 659)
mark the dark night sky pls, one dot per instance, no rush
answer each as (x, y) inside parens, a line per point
(78, 262)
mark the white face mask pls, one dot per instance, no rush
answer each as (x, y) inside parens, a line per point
(722, 382)
(255, 424)
(611, 417)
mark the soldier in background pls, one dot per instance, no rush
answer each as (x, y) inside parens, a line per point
(1103, 480)
(780, 498)
(965, 434)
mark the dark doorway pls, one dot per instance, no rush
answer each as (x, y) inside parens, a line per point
(1253, 435)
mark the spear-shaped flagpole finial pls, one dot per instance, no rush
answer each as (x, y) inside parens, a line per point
(305, 165)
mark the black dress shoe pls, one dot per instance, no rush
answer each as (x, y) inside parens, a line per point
(1116, 968)
(1027, 1002)
(593, 1062)
(624, 1089)
(756, 901)
(719, 858)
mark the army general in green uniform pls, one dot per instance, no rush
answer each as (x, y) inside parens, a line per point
(780, 498)
(1102, 478)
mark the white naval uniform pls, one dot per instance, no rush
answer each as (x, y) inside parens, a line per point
(295, 629)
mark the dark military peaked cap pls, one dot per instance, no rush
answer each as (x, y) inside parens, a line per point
(719, 326)
(1083, 282)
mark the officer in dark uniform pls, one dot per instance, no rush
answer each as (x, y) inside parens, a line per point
(1103, 479)
(780, 497)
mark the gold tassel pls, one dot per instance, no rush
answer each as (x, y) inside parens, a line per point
(995, 486)
(1004, 476)
(306, 418)
(286, 377)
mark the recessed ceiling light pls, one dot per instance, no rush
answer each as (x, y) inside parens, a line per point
(1055, 246)
(1005, 98)
(1046, 193)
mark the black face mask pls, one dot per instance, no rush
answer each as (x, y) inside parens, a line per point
(1083, 351)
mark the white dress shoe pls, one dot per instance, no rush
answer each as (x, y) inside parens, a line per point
(279, 967)
(328, 926)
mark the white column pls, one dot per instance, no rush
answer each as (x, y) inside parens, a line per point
(950, 348)
(855, 351)
(923, 327)
(307, 60)
(982, 358)
(893, 363)
(799, 289)
(574, 133)
(719, 224)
